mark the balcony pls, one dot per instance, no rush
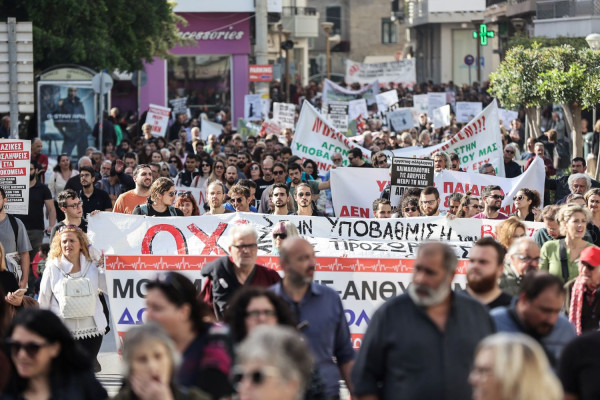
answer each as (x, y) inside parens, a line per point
(567, 18)
(302, 22)
(565, 8)
(421, 12)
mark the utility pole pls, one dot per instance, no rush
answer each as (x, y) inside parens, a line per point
(261, 49)
(12, 78)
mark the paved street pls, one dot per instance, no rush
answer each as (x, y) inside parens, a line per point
(111, 373)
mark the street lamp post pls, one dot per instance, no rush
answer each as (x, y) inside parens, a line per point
(593, 40)
(327, 26)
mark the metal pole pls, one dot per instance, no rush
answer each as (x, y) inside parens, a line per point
(101, 112)
(12, 76)
(287, 75)
(261, 49)
(328, 55)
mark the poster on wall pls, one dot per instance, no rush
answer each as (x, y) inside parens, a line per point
(67, 114)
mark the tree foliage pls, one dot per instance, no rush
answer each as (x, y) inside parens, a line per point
(526, 42)
(100, 34)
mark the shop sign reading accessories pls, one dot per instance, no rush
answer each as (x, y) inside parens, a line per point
(213, 35)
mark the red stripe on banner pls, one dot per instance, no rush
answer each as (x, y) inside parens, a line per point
(331, 264)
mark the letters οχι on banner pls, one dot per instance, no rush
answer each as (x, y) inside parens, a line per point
(14, 174)
(158, 118)
(478, 143)
(363, 284)
(334, 92)
(317, 139)
(401, 71)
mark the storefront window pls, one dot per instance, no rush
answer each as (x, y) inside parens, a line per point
(204, 80)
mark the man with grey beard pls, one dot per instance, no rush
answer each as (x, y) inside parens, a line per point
(420, 345)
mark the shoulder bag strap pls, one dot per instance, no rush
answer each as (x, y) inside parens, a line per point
(564, 259)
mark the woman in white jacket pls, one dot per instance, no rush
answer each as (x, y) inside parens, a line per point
(70, 285)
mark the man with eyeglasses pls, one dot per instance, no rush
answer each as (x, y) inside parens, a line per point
(319, 313)
(380, 160)
(485, 266)
(304, 201)
(511, 168)
(93, 198)
(492, 200)
(537, 312)
(71, 205)
(279, 176)
(239, 197)
(523, 257)
(228, 274)
(430, 202)
(382, 208)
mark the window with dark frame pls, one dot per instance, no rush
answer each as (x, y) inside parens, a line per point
(334, 14)
(389, 31)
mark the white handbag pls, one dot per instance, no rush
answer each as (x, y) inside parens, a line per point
(78, 299)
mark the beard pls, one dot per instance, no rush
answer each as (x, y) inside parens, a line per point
(433, 211)
(480, 284)
(433, 297)
(493, 208)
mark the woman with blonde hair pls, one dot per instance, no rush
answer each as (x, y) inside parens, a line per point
(512, 366)
(572, 220)
(71, 269)
(160, 202)
(509, 230)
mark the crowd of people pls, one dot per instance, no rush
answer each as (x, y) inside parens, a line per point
(524, 327)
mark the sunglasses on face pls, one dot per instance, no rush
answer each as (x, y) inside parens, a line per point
(278, 172)
(74, 206)
(257, 377)
(410, 209)
(256, 168)
(31, 348)
(509, 151)
(280, 235)
(205, 165)
(519, 197)
(497, 197)
(219, 167)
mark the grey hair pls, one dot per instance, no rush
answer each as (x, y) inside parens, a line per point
(82, 160)
(455, 197)
(449, 256)
(281, 347)
(514, 248)
(144, 334)
(446, 157)
(484, 167)
(574, 177)
(242, 230)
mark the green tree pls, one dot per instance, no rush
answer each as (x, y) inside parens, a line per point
(562, 75)
(100, 34)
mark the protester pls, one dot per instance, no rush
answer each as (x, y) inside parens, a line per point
(227, 275)
(382, 208)
(551, 229)
(492, 199)
(469, 206)
(485, 267)
(240, 198)
(13, 236)
(526, 202)
(151, 363)
(510, 367)
(304, 201)
(62, 172)
(578, 184)
(355, 158)
(72, 209)
(279, 176)
(441, 161)
(93, 199)
(160, 202)
(204, 173)
(487, 169)
(429, 307)
(185, 177)
(380, 160)
(70, 264)
(46, 362)
(319, 312)
(274, 363)
(583, 298)
(592, 199)
(558, 256)
(186, 203)
(511, 168)
(509, 230)
(126, 202)
(9, 285)
(523, 257)
(171, 301)
(410, 207)
(281, 231)
(216, 196)
(540, 152)
(454, 203)
(578, 367)
(295, 174)
(430, 202)
(455, 160)
(537, 312)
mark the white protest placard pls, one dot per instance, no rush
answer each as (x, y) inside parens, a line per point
(350, 199)
(14, 174)
(451, 99)
(409, 173)
(364, 284)
(467, 110)
(334, 92)
(386, 99)
(401, 72)
(435, 100)
(356, 108)
(158, 118)
(337, 114)
(478, 143)
(421, 103)
(208, 128)
(253, 107)
(284, 114)
(441, 116)
(506, 116)
(400, 119)
(317, 139)
(179, 106)
(266, 107)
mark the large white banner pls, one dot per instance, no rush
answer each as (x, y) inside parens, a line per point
(350, 199)
(158, 118)
(402, 71)
(14, 174)
(386, 99)
(467, 110)
(334, 92)
(363, 284)
(478, 143)
(284, 114)
(317, 139)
